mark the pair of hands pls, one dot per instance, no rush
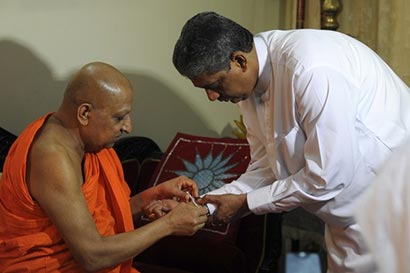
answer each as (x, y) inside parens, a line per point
(172, 193)
(169, 195)
(171, 205)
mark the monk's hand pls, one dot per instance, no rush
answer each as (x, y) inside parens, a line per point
(158, 208)
(177, 188)
(186, 218)
(229, 207)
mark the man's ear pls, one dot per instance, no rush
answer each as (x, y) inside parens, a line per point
(239, 59)
(83, 113)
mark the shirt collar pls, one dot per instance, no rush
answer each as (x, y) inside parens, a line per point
(265, 68)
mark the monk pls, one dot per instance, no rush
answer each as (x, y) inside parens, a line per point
(64, 204)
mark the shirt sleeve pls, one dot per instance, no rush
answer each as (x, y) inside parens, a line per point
(258, 173)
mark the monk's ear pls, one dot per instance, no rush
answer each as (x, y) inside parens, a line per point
(83, 113)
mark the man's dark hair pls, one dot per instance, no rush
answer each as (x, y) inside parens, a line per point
(206, 44)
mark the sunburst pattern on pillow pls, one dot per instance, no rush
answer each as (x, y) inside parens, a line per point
(211, 162)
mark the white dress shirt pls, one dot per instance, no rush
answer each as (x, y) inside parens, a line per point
(326, 112)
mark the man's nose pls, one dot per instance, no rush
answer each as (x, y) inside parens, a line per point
(212, 95)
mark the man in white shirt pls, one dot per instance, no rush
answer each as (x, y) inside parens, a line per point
(322, 112)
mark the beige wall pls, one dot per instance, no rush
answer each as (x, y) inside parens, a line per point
(42, 42)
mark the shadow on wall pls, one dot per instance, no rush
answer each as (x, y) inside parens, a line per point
(26, 86)
(28, 91)
(159, 113)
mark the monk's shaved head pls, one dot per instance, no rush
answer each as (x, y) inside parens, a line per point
(97, 95)
(95, 83)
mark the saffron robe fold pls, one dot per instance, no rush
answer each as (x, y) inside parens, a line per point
(29, 241)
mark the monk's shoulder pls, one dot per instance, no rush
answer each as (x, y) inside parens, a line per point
(51, 144)
(52, 160)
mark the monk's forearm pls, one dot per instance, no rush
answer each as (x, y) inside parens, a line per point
(112, 250)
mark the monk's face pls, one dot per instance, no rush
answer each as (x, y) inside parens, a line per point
(108, 121)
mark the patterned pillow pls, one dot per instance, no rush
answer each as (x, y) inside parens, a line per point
(211, 162)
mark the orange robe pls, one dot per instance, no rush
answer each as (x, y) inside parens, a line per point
(29, 241)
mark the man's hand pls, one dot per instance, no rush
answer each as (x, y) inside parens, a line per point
(230, 207)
